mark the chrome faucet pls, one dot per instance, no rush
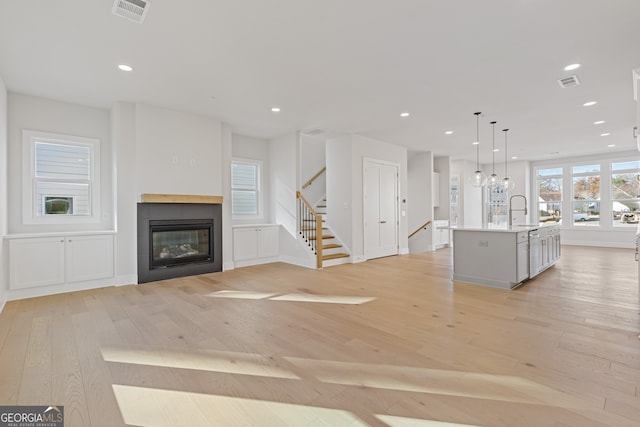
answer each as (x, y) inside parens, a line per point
(511, 209)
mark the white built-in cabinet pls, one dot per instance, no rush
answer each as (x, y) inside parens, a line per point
(57, 259)
(255, 244)
(440, 233)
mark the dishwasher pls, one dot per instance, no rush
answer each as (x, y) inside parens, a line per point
(535, 253)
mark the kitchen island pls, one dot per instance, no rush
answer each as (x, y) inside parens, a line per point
(503, 257)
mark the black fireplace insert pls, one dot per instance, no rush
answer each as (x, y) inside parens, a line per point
(177, 242)
(178, 239)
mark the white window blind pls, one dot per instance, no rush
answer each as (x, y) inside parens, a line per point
(245, 188)
(62, 177)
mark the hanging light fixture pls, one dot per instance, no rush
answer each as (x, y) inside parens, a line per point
(507, 183)
(478, 179)
(493, 182)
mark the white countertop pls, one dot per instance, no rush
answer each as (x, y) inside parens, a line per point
(504, 229)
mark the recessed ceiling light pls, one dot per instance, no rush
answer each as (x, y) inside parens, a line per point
(495, 150)
(611, 145)
(475, 143)
(449, 132)
(605, 134)
(572, 67)
(125, 67)
(599, 122)
(589, 104)
(514, 157)
(275, 109)
(404, 114)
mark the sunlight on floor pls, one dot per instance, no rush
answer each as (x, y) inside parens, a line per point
(330, 299)
(394, 421)
(241, 294)
(142, 406)
(203, 360)
(435, 381)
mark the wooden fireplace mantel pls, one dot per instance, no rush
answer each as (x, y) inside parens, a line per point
(180, 198)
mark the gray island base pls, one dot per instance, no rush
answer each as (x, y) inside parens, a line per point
(503, 257)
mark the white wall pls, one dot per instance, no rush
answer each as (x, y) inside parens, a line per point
(312, 160)
(246, 147)
(470, 200)
(40, 114)
(339, 153)
(227, 232)
(125, 195)
(177, 153)
(420, 209)
(284, 181)
(4, 278)
(442, 165)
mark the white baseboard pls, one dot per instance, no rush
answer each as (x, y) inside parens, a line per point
(228, 266)
(404, 251)
(257, 261)
(2, 304)
(620, 245)
(16, 294)
(300, 262)
(358, 259)
(124, 280)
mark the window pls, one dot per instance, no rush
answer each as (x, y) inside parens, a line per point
(625, 193)
(549, 194)
(245, 188)
(61, 178)
(586, 195)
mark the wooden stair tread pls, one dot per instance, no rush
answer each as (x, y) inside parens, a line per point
(312, 229)
(323, 237)
(334, 256)
(331, 246)
(311, 220)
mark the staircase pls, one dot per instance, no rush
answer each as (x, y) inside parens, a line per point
(333, 252)
(330, 250)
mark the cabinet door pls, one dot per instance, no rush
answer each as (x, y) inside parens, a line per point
(245, 243)
(269, 242)
(36, 262)
(522, 271)
(89, 257)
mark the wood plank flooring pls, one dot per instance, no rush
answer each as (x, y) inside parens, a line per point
(389, 342)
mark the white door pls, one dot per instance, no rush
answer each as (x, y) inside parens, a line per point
(380, 209)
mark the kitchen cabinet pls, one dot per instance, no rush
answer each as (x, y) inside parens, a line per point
(440, 233)
(503, 257)
(53, 260)
(256, 244)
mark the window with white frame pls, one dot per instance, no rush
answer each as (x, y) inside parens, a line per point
(586, 194)
(245, 188)
(549, 181)
(625, 193)
(61, 178)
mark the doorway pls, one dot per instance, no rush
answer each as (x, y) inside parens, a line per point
(380, 208)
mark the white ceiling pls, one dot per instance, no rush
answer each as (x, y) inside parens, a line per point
(347, 66)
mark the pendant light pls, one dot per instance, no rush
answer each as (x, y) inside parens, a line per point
(478, 179)
(508, 183)
(493, 182)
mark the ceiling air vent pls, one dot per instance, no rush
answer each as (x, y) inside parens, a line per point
(133, 10)
(569, 81)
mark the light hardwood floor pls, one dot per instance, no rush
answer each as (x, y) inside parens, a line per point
(388, 342)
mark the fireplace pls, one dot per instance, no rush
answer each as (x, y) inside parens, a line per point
(178, 239)
(180, 242)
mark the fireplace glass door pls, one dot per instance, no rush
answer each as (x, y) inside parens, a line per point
(180, 242)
